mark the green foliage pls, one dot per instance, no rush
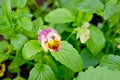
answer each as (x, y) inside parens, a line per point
(22, 20)
(82, 17)
(25, 23)
(49, 61)
(19, 3)
(16, 63)
(117, 40)
(69, 57)
(6, 10)
(19, 78)
(38, 24)
(90, 6)
(18, 41)
(65, 73)
(97, 41)
(89, 59)
(70, 4)
(41, 72)
(3, 47)
(99, 73)
(111, 8)
(111, 61)
(30, 49)
(60, 15)
(5, 26)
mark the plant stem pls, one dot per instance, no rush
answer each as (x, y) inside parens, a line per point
(70, 35)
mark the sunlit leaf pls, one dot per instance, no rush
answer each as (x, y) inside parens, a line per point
(60, 15)
(18, 41)
(111, 61)
(90, 6)
(69, 57)
(89, 59)
(97, 41)
(30, 49)
(98, 73)
(19, 3)
(110, 9)
(25, 23)
(41, 72)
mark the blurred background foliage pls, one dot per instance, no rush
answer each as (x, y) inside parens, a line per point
(22, 25)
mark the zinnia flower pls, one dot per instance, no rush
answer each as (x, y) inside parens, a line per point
(83, 33)
(50, 40)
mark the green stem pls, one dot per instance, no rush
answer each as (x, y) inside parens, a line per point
(7, 55)
(70, 35)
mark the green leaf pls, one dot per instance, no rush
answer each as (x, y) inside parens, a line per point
(4, 26)
(90, 6)
(18, 41)
(1, 2)
(7, 79)
(30, 49)
(60, 15)
(6, 10)
(83, 17)
(89, 59)
(111, 61)
(110, 9)
(41, 72)
(3, 57)
(19, 3)
(16, 63)
(69, 57)
(117, 40)
(65, 73)
(49, 61)
(37, 25)
(4, 46)
(97, 41)
(19, 78)
(98, 73)
(69, 5)
(25, 23)
(24, 12)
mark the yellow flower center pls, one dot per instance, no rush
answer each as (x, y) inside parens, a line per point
(54, 45)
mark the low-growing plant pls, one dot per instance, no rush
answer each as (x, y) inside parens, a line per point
(58, 39)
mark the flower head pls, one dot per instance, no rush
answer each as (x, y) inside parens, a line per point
(83, 32)
(2, 69)
(118, 46)
(50, 40)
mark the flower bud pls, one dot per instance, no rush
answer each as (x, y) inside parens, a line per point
(83, 33)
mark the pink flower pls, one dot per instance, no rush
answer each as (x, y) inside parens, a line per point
(50, 40)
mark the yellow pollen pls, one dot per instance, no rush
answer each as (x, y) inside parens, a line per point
(54, 44)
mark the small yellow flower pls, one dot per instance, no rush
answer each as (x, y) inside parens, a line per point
(83, 33)
(2, 69)
(118, 46)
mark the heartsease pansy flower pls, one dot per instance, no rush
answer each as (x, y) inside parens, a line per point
(83, 32)
(50, 40)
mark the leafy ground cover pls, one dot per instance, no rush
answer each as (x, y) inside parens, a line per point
(59, 39)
